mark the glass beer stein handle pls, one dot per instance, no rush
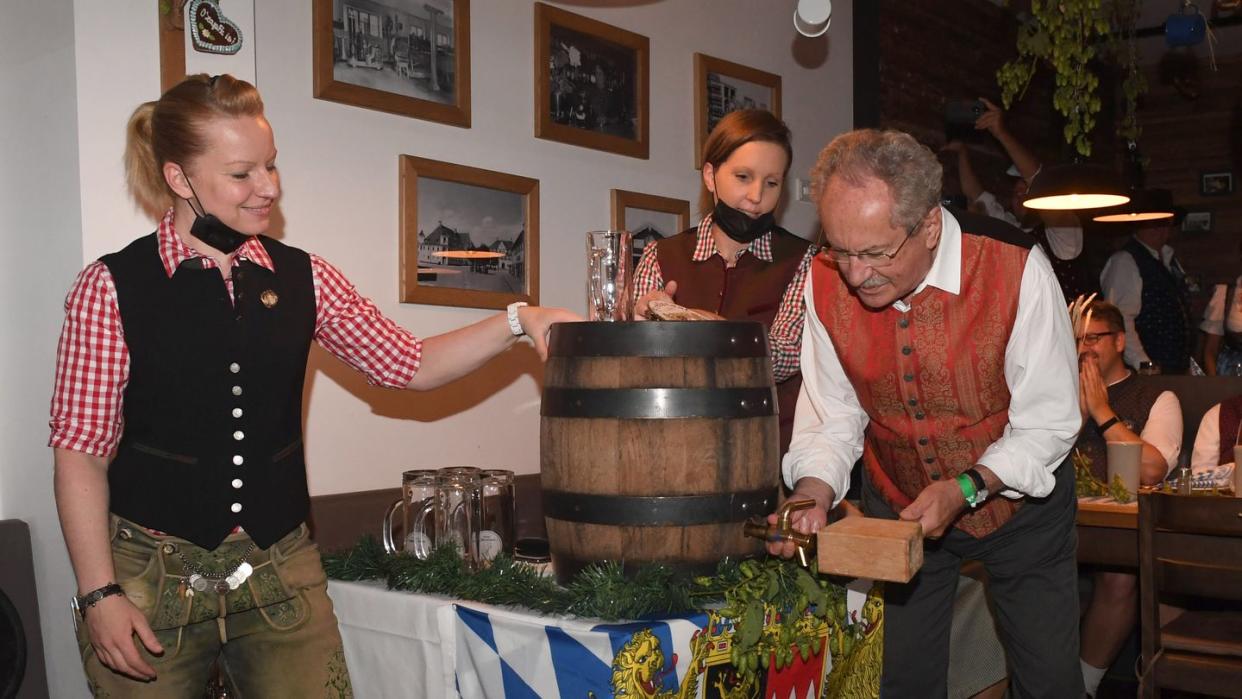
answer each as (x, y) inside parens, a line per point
(422, 537)
(389, 545)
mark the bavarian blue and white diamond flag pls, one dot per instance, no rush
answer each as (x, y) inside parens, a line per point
(509, 655)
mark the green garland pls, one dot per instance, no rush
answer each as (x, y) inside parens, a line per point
(1087, 485)
(778, 608)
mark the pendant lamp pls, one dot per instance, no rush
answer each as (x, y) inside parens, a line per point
(1074, 186)
(1144, 205)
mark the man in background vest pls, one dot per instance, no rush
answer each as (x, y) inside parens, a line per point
(1119, 406)
(938, 348)
(1148, 284)
(1220, 431)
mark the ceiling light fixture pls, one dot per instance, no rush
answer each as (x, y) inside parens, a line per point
(1074, 186)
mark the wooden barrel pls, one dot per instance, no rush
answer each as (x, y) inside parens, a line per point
(658, 440)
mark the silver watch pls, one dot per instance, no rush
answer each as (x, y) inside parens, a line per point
(515, 324)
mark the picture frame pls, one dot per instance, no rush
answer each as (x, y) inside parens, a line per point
(592, 83)
(1197, 222)
(648, 217)
(1216, 184)
(720, 86)
(413, 60)
(171, 25)
(469, 237)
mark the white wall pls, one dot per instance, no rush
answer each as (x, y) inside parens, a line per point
(339, 171)
(40, 252)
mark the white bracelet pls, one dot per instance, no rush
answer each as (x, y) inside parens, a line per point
(515, 324)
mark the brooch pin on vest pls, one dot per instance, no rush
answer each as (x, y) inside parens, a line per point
(269, 298)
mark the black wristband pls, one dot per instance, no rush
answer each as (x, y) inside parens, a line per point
(1103, 427)
(977, 479)
(91, 598)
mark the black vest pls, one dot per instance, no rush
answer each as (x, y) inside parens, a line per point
(213, 407)
(1075, 276)
(1131, 398)
(1162, 323)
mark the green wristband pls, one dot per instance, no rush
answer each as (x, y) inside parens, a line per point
(967, 485)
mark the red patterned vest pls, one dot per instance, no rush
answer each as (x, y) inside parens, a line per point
(932, 380)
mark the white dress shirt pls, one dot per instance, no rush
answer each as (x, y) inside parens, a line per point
(1222, 313)
(1122, 284)
(1041, 371)
(1206, 453)
(1062, 227)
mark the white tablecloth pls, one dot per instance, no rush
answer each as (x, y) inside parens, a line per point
(397, 644)
(401, 644)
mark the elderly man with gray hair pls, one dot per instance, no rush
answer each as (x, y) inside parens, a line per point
(937, 348)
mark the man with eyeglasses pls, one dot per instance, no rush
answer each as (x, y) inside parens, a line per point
(938, 348)
(1119, 406)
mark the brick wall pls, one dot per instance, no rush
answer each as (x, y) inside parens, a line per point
(1185, 138)
(930, 51)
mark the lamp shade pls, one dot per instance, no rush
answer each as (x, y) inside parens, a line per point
(813, 17)
(1074, 186)
(1144, 205)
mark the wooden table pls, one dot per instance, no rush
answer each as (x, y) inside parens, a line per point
(1108, 533)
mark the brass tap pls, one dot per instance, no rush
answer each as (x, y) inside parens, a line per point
(783, 530)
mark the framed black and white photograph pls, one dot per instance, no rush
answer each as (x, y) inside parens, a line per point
(1197, 222)
(591, 83)
(1216, 184)
(469, 237)
(721, 87)
(648, 218)
(408, 57)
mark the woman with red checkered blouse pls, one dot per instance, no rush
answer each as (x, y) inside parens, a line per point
(177, 414)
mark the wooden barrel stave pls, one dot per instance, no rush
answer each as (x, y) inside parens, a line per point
(642, 460)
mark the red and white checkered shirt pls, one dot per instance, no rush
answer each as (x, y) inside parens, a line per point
(785, 335)
(92, 360)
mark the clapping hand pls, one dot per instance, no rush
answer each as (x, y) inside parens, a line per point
(1093, 394)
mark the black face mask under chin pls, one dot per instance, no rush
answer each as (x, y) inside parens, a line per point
(738, 226)
(212, 230)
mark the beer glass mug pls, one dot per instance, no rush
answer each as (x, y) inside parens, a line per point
(497, 534)
(609, 283)
(1125, 460)
(418, 487)
(456, 516)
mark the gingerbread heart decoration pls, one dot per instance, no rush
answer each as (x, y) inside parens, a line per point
(212, 32)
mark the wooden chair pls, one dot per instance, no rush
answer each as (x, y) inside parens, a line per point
(1191, 547)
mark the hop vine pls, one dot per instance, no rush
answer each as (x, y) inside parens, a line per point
(1068, 35)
